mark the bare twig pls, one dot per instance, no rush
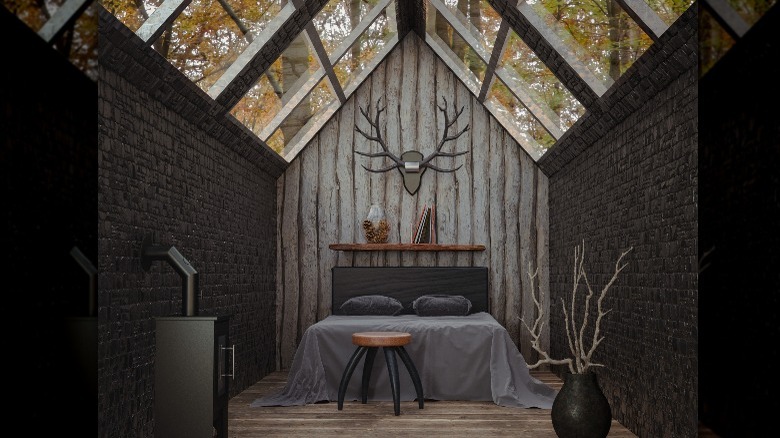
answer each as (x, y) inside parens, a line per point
(580, 362)
(536, 331)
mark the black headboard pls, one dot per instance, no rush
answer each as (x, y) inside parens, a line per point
(408, 283)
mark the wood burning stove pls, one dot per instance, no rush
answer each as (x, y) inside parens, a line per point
(193, 367)
(191, 386)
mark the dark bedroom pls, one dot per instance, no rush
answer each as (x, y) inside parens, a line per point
(555, 217)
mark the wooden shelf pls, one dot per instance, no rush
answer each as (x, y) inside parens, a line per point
(403, 247)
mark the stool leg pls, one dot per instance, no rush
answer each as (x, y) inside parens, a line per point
(395, 384)
(353, 361)
(368, 364)
(412, 373)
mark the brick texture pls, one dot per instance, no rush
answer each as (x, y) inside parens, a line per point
(171, 166)
(631, 180)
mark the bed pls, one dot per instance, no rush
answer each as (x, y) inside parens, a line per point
(468, 357)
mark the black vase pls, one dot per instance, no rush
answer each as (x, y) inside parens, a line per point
(580, 409)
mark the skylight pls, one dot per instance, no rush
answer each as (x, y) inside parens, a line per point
(519, 90)
(214, 43)
(590, 44)
(548, 98)
(203, 41)
(290, 101)
(278, 92)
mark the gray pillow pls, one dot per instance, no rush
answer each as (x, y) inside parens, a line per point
(442, 305)
(372, 305)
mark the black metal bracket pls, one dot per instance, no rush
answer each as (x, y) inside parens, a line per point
(189, 288)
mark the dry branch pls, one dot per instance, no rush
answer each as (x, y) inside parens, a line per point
(580, 362)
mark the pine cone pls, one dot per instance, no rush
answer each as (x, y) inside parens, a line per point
(377, 234)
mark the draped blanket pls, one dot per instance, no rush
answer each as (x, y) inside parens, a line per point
(458, 358)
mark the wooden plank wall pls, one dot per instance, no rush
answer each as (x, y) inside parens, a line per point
(498, 197)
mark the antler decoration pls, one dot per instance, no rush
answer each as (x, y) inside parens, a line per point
(411, 164)
(378, 138)
(445, 138)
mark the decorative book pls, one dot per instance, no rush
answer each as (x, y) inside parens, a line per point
(424, 231)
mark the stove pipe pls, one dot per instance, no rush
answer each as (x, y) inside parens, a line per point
(188, 274)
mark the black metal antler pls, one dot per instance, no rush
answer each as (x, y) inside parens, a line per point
(445, 138)
(411, 164)
(378, 138)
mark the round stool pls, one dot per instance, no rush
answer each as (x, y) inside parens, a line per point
(392, 343)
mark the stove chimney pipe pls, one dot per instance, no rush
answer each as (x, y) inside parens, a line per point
(188, 274)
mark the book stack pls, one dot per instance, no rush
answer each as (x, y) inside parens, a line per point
(424, 231)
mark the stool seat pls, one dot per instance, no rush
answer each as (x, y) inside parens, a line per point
(381, 339)
(392, 343)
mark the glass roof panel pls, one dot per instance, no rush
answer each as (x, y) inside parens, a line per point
(478, 16)
(518, 120)
(253, 15)
(208, 36)
(458, 49)
(337, 19)
(306, 115)
(202, 42)
(521, 60)
(605, 38)
(669, 10)
(287, 81)
(364, 50)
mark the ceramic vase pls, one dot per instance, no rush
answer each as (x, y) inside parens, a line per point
(580, 409)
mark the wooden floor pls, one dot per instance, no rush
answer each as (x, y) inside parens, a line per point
(439, 418)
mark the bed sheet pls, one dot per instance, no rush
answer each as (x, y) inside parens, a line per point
(458, 358)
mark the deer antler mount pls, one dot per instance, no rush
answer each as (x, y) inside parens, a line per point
(411, 164)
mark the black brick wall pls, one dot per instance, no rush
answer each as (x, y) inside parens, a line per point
(49, 199)
(739, 222)
(191, 180)
(633, 182)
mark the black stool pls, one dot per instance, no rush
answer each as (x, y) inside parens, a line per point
(391, 342)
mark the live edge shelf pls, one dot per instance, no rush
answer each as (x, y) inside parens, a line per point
(403, 247)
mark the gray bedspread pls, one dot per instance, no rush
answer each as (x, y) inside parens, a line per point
(458, 358)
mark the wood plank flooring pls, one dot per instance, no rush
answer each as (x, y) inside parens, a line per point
(450, 419)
